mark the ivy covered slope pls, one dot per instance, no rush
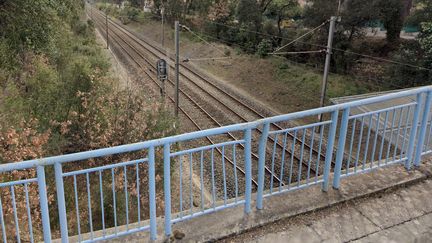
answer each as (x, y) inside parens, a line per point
(57, 97)
(55, 93)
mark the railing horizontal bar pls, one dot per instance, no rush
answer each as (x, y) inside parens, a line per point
(125, 148)
(301, 127)
(382, 110)
(427, 152)
(374, 167)
(326, 109)
(116, 235)
(106, 167)
(208, 147)
(207, 211)
(14, 183)
(293, 187)
(204, 133)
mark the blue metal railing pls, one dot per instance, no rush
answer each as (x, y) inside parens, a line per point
(103, 194)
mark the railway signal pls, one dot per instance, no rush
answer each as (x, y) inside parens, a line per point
(162, 74)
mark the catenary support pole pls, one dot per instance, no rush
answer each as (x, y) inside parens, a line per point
(106, 20)
(177, 60)
(163, 26)
(327, 63)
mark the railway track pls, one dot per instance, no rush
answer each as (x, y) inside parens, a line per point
(118, 38)
(171, 99)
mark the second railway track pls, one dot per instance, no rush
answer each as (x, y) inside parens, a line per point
(119, 34)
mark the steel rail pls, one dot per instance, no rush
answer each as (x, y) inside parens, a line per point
(205, 79)
(133, 37)
(180, 108)
(308, 148)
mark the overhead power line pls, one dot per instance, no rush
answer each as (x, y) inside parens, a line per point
(296, 52)
(302, 36)
(323, 46)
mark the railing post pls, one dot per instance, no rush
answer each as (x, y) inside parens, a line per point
(152, 193)
(167, 187)
(413, 133)
(329, 151)
(423, 128)
(261, 165)
(61, 202)
(248, 169)
(341, 147)
(43, 200)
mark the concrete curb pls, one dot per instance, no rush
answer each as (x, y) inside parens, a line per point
(233, 221)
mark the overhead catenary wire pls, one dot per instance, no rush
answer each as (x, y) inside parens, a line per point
(279, 54)
(297, 40)
(302, 36)
(202, 39)
(297, 52)
(323, 46)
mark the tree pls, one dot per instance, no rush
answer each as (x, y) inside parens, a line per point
(250, 19)
(422, 13)
(425, 39)
(419, 55)
(391, 13)
(281, 10)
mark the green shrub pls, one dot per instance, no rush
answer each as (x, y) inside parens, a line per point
(264, 48)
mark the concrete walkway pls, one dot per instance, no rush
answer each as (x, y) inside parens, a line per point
(400, 215)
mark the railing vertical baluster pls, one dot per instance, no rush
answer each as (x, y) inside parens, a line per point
(167, 187)
(2, 222)
(405, 133)
(275, 142)
(310, 156)
(383, 138)
(322, 128)
(126, 197)
(15, 213)
(114, 199)
(235, 172)
(30, 223)
(391, 135)
(329, 151)
(283, 160)
(359, 143)
(43, 200)
(224, 176)
(374, 146)
(202, 179)
(90, 219)
(77, 208)
(292, 158)
(261, 165)
(422, 134)
(138, 194)
(348, 163)
(299, 171)
(190, 182)
(213, 183)
(341, 147)
(366, 149)
(61, 202)
(248, 168)
(413, 133)
(181, 185)
(102, 203)
(152, 194)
